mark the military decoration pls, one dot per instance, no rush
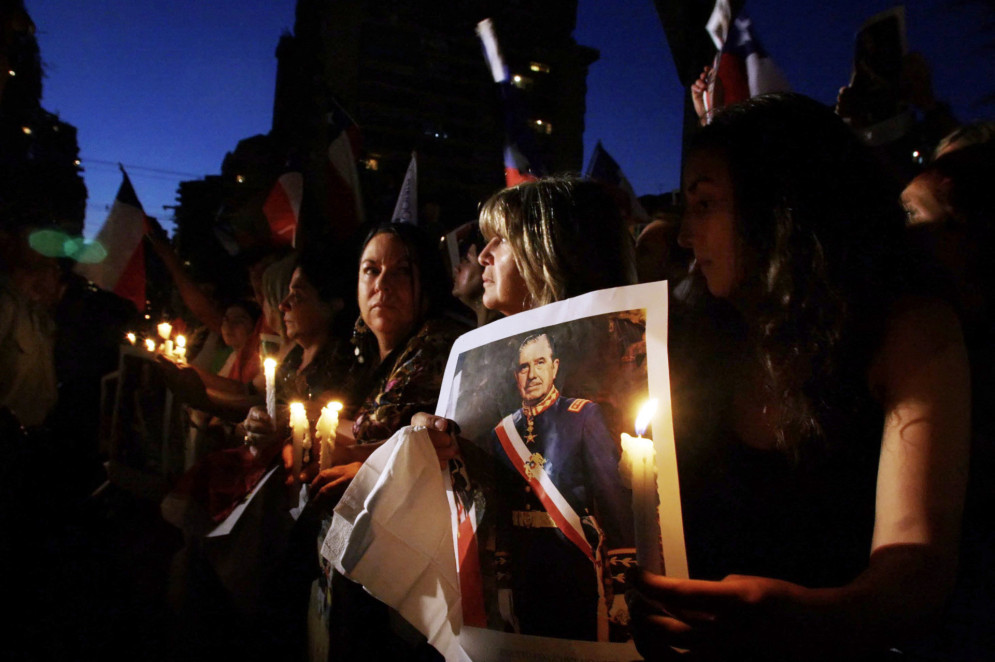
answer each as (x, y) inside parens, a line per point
(534, 465)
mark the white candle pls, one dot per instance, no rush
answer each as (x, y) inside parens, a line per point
(639, 456)
(327, 424)
(168, 351)
(299, 429)
(131, 337)
(165, 330)
(269, 368)
(181, 348)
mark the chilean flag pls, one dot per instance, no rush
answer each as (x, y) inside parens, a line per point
(742, 66)
(283, 207)
(123, 270)
(521, 160)
(345, 203)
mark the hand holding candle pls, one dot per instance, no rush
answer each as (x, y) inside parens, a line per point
(639, 456)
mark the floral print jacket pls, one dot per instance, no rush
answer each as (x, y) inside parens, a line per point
(411, 385)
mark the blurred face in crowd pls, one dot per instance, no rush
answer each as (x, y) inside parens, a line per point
(389, 290)
(236, 327)
(708, 227)
(536, 370)
(468, 282)
(305, 315)
(504, 288)
(922, 200)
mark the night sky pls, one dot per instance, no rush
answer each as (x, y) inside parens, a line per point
(167, 88)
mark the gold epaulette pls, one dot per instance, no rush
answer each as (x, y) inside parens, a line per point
(577, 405)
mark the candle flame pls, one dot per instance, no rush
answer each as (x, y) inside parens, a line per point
(269, 365)
(298, 414)
(181, 341)
(334, 406)
(164, 329)
(131, 338)
(150, 344)
(646, 415)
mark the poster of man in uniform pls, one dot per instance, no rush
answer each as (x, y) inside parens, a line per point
(543, 497)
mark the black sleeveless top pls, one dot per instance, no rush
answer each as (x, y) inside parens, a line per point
(761, 512)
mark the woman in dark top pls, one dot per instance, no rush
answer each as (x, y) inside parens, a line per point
(401, 343)
(836, 418)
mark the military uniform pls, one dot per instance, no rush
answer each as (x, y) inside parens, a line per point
(556, 570)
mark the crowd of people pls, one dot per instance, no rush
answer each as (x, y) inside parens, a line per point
(830, 357)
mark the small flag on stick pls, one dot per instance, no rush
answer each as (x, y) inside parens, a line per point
(521, 160)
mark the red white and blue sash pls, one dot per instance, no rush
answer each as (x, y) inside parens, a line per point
(559, 509)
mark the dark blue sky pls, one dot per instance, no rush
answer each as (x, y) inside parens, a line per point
(169, 87)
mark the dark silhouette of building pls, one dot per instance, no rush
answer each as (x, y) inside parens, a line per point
(40, 182)
(413, 76)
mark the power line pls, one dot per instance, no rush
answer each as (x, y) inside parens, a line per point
(106, 207)
(136, 175)
(145, 168)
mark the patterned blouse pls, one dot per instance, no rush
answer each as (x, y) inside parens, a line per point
(411, 385)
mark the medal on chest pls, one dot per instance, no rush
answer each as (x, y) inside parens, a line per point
(530, 436)
(530, 412)
(533, 466)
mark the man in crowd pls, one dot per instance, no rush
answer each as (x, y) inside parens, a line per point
(564, 517)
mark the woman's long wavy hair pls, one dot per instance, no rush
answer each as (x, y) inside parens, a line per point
(566, 234)
(821, 232)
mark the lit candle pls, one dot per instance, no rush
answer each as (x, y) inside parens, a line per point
(181, 348)
(308, 443)
(269, 368)
(639, 457)
(327, 424)
(168, 351)
(150, 345)
(131, 337)
(299, 430)
(165, 330)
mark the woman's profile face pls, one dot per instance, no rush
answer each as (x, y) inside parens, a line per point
(504, 288)
(708, 226)
(389, 288)
(305, 315)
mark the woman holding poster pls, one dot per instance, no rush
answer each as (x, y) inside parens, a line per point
(558, 546)
(840, 418)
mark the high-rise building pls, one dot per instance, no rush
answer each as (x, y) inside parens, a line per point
(413, 76)
(40, 182)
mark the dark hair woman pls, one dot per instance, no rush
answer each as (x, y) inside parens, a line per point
(841, 415)
(402, 341)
